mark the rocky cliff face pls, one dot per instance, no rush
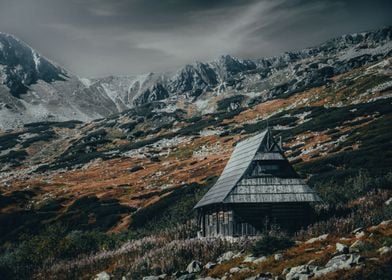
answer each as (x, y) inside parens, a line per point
(21, 66)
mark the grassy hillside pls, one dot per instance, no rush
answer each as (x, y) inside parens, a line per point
(118, 193)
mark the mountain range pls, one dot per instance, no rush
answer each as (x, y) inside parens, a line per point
(32, 88)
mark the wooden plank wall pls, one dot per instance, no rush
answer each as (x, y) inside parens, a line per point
(249, 220)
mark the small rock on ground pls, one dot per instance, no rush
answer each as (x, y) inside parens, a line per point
(278, 257)
(315, 239)
(226, 256)
(384, 250)
(210, 265)
(259, 260)
(341, 248)
(194, 267)
(102, 276)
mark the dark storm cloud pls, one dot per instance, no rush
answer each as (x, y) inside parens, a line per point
(101, 37)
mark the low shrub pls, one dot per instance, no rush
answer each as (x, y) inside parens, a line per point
(269, 244)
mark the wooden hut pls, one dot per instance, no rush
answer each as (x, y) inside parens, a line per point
(257, 188)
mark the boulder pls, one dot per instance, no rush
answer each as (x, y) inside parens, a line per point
(259, 260)
(226, 257)
(344, 261)
(210, 265)
(324, 271)
(278, 257)
(235, 269)
(360, 234)
(102, 276)
(389, 201)
(384, 250)
(190, 276)
(387, 222)
(315, 239)
(301, 272)
(238, 269)
(249, 259)
(194, 267)
(341, 248)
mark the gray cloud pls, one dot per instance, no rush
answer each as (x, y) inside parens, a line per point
(102, 37)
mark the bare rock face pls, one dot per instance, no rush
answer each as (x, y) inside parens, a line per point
(22, 66)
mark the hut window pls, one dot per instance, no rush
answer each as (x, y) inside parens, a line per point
(214, 219)
(230, 216)
(226, 218)
(210, 220)
(221, 217)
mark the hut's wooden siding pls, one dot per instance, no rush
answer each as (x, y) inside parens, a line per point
(253, 219)
(266, 190)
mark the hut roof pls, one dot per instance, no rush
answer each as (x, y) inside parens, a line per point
(258, 147)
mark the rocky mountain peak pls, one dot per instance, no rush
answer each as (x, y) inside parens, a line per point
(23, 66)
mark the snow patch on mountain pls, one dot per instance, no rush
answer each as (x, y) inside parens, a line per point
(36, 60)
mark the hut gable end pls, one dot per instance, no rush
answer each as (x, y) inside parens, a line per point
(258, 172)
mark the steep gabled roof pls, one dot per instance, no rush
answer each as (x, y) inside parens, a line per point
(234, 186)
(237, 165)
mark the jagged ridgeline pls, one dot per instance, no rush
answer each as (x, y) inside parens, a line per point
(35, 89)
(103, 174)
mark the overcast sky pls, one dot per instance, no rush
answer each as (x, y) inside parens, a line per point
(101, 37)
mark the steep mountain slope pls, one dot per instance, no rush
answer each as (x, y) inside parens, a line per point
(37, 90)
(22, 66)
(33, 89)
